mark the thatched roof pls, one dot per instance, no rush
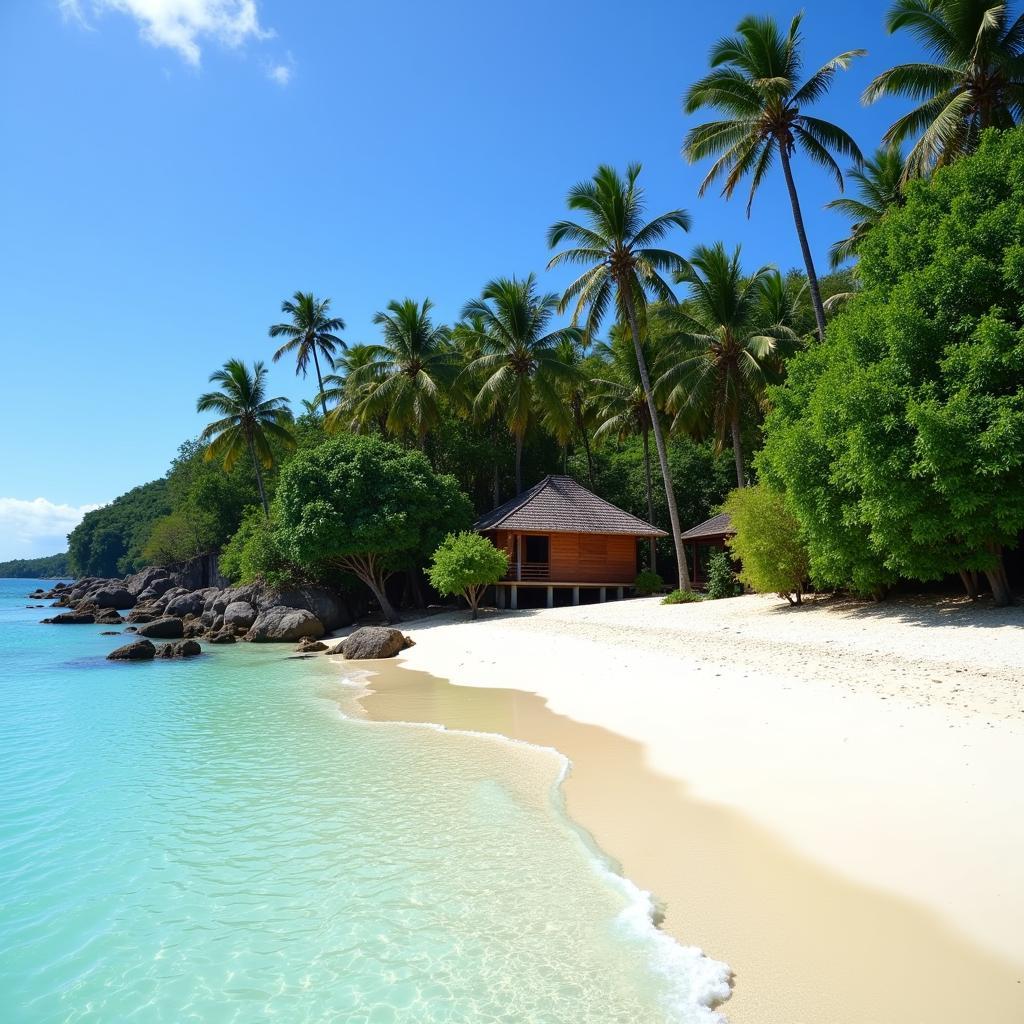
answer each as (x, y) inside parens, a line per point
(716, 526)
(560, 505)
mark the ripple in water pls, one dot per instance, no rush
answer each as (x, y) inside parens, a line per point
(211, 841)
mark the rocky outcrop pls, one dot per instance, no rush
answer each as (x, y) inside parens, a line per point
(239, 615)
(179, 649)
(141, 614)
(371, 642)
(284, 625)
(308, 645)
(168, 628)
(187, 603)
(108, 617)
(325, 605)
(72, 619)
(137, 650)
(223, 637)
(112, 596)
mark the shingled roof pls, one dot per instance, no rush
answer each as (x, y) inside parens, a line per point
(716, 526)
(560, 505)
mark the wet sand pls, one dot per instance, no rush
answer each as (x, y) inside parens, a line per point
(807, 945)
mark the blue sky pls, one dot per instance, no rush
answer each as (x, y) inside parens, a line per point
(175, 168)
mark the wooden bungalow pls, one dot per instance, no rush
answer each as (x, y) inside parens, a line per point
(700, 541)
(559, 535)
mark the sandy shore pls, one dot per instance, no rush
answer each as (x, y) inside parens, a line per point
(828, 798)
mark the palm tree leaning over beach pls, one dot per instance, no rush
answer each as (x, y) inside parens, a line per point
(755, 84)
(249, 420)
(624, 267)
(520, 364)
(974, 81)
(621, 409)
(403, 379)
(880, 187)
(311, 332)
(721, 354)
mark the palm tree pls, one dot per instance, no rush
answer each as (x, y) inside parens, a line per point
(975, 80)
(623, 264)
(402, 381)
(621, 409)
(880, 187)
(347, 395)
(721, 352)
(249, 420)
(311, 332)
(521, 363)
(755, 84)
(574, 397)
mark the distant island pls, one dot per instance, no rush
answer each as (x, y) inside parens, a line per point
(49, 567)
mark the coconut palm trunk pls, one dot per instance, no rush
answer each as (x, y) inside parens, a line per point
(737, 450)
(798, 220)
(256, 470)
(519, 462)
(659, 440)
(320, 384)
(650, 497)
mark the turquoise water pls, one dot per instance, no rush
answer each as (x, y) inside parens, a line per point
(213, 841)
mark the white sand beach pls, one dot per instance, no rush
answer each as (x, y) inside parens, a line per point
(828, 798)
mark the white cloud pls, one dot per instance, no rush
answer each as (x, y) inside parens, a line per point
(282, 72)
(40, 527)
(181, 24)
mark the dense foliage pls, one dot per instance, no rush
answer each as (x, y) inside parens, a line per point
(721, 577)
(767, 542)
(648, 582)
(49, 567)
(466, 564)
(900, 440)
(109, 541)
(366, 506)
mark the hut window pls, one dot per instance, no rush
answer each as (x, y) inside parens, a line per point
(536, 549)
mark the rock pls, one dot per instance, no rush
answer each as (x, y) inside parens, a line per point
(131, 629)
(283, 625)
(111, 632)
(72, 619)
(140, 614)
(109, 617)
(137, 650)
(325, 605)
(194, 627)
(307, 645)
(189, 603)
(218, 624)
(37, 595)
(113, 597)
(167, 628)
(179, 649)
(153, 578)
(155, 590)
(239, 613)
(374, 642)
(223, 637)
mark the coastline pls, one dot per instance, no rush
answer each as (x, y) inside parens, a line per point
(810, 830)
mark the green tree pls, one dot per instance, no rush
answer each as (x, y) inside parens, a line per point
(767, 542)
(520, 364)
(624, 267)
(466, 564)
(880, 186)
(402, 382)
(249, 420)
(900, 440)
(348, 388)
(254, 552)
(755, 83)
(366, 506)
(720, 353)
(310, 332)
(974, 81)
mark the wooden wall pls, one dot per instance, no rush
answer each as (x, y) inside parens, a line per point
(583, 557)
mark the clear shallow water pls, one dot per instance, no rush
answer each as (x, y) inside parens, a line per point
(212, 841)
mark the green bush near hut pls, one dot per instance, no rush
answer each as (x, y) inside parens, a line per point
(647, 583)
(767, 542)
(682, 597)
(466, 564)
(721, 577)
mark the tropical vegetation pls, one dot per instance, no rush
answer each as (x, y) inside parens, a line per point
(867, 423)
(466, 564)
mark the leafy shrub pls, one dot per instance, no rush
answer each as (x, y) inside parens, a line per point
(254, 552)
(767, 542)
(466, 564)
(682, 597)
(721, 578)
(648, 583)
